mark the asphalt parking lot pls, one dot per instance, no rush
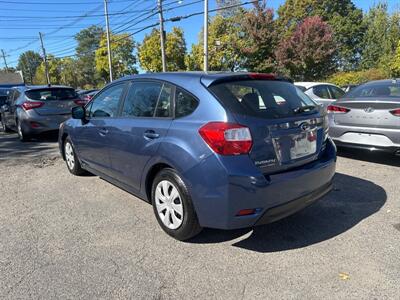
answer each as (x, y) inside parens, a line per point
(80, 237)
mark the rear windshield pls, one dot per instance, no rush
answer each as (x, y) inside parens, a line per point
(52, 94)
(262, 98)
(373, 90)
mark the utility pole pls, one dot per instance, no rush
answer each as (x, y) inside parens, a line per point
(108, 40)
(205, 38)
(45, 59)
(4, 58)
(162, 36)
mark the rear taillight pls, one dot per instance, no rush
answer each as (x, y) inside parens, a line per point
(337, 109)
(395, 112)
(81, 102)
(31, 104)
(227, 138)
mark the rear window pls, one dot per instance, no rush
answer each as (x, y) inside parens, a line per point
(375, 90)
(52, 94)
(262, 98)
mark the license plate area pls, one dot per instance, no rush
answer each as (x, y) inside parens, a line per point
(296, 146)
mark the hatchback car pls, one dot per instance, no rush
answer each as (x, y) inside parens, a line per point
(36, 109)
(321, 92)
(368, 117)
(207, 150)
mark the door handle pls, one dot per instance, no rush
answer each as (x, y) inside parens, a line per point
(151, 134)
(103, 131)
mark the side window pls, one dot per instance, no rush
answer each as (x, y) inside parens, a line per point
(105, 105)
(336, 92)
(185, 104)
(16, 96)
(142, 99)
(163, 109)
(321, 91)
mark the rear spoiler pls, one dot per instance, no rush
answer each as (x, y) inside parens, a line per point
(209, 80)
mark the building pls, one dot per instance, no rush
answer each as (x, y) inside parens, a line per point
(10, 79)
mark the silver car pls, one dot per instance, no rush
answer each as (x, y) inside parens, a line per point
(37, 109)
(321, 92)
(368, 117)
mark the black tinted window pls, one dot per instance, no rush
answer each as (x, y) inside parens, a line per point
(106, 103)
(261, 98)
(142, 99)
(52, 94)
(185, 104)
(376, 90)
(336, 92)
(321, 91)
(164, 102)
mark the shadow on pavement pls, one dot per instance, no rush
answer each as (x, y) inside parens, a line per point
(12, 148)
(368, 156)
(351, 201)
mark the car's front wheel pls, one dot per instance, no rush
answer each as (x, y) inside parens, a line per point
(173, 206)
(71, 159)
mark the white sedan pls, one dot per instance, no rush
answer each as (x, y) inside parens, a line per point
(321, 92)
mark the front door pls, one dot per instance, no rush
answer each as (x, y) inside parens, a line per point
(92, 139)
(145, 118)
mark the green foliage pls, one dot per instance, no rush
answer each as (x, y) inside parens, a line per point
(357, 77)
(381, 37)
(225, 45)
(123, 60)
(88, 41)
(342, 16)
(28, 62)
(395, 65)
(54, 71)
(175, 50)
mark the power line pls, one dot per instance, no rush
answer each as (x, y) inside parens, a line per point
(58, 3)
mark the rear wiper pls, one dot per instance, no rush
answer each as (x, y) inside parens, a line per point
(302, 109)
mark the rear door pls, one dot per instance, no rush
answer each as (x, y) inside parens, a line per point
(92, 139)
(57, 100)
(10, 115)
(286, 126)
(145, 118)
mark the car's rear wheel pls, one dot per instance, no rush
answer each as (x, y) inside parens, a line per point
(173, 206)
(71, 159)
(22, 135)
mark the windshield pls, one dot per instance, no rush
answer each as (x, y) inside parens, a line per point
(52, 94)
(373, 90)
(263, 98)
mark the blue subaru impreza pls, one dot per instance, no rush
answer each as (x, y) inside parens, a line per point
(219, 150)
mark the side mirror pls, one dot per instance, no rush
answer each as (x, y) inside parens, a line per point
(78, 112)
(5, 108)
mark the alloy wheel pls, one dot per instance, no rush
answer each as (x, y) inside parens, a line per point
(169, 204)
(69, 155)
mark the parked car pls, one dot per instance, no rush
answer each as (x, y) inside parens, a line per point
(3, 97)
(348, 87)
(321, 92)
(207, 150)
(368, 117)
(36, 109)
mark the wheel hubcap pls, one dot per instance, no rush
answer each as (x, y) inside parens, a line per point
(69, 156)
(169, 204)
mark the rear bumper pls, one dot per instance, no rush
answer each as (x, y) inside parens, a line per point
(33, 123)
(272, 197)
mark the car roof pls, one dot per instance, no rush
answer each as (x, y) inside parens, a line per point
(309, 84)
(384, 81)
(207, 78)
(36, 87)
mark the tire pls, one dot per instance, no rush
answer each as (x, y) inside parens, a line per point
(71, 159)
(4, 126)
(22, 135)
(179, 211)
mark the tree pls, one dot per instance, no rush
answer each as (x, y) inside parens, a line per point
(261, 38)
(395, 65)
(226, 42)
(88, 41)
(381, 38)
(343, 16)
(228, 12)
(28, 62)
(54, 71)
(308, 53)
(123, 60)
(175, 50)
